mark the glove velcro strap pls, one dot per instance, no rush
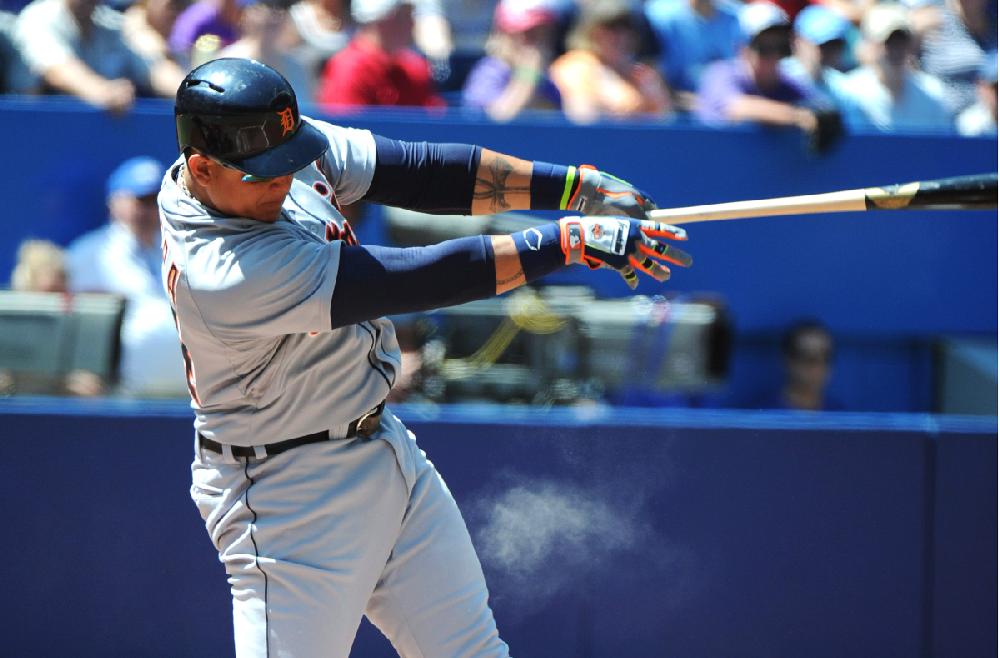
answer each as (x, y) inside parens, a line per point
(577, 185)
(572, 242)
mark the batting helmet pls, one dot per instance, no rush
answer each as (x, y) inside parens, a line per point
(244, 113)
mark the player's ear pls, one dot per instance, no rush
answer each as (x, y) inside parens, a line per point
(201, 168)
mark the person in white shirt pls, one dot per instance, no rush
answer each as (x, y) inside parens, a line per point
(981, 117)
(76, 47)
(124, 257)
(890, 92)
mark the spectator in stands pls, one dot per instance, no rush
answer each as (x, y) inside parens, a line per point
(471, 24)
(791, 7)
(981, 117)
(146, 26)
(808, 351)
(8, 52)
(76, 47)
(892, 95)
(753, 86)
(598, 76)
(379, 66)
(324, 28)
(818, 59)
(41, 267)
(124, 257)
(432, 34)
(205, 28)
(954, 47)
(514, 74)
(692, 35)
(269, 35)
(852, 10)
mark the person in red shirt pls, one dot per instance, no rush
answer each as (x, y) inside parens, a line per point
(378, 66)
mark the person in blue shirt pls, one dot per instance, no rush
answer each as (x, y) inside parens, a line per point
(123, 257)
(692, 35)
(818, 54)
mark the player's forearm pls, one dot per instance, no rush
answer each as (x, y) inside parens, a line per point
(527, 256)
(377, 281)
(464, 179)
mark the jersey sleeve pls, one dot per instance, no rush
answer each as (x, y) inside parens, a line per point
(349, 164)
(272, 284)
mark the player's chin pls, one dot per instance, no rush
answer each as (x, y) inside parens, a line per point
(268, 210)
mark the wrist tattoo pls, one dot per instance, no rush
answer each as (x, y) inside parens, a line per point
(494, 188)
(516, 276)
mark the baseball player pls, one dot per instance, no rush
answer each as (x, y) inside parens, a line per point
(320, 503)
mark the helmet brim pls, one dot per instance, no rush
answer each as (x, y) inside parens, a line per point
(308, 144)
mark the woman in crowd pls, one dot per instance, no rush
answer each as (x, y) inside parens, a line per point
(599, 76)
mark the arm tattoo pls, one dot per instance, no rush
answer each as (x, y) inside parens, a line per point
(516, 276)
(494, 188)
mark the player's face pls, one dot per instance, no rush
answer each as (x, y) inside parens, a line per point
(228, 193)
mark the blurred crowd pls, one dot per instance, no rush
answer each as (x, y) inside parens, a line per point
(122, 258)
(823, 67)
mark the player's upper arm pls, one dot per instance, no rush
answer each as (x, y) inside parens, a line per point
(349, 164)
(265, 287)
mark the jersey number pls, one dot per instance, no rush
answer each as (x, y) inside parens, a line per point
(172, 275)
(334, 232)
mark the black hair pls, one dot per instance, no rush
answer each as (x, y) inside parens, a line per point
(790, 339)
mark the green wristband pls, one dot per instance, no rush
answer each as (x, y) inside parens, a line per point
(568, 189)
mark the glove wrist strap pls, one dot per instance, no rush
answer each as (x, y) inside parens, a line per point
(571, 240)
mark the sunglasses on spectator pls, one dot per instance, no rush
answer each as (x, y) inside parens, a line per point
(812, 357)
(776, 49)
(619, 23)
(833, 45)
(898, 38)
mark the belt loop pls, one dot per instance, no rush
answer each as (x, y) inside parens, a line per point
(260, 452)
(227, 453)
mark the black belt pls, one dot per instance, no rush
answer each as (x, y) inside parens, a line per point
(364, 425)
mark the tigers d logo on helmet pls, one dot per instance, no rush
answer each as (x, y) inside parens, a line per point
(287, 118)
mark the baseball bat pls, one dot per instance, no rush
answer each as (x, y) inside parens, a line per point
(958, 193)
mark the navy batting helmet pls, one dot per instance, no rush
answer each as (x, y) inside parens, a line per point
(244, 113)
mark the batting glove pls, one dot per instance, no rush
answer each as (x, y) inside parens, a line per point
(622, 244)
(599, 193)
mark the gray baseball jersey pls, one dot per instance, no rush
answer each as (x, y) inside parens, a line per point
(252, 304)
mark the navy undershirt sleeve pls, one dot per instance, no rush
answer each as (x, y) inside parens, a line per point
(548, 185)
(376, 281)
(433, 178)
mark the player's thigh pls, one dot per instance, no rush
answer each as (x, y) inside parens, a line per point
(304, 539)
(432, 600)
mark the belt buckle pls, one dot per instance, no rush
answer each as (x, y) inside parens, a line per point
(368, 422)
